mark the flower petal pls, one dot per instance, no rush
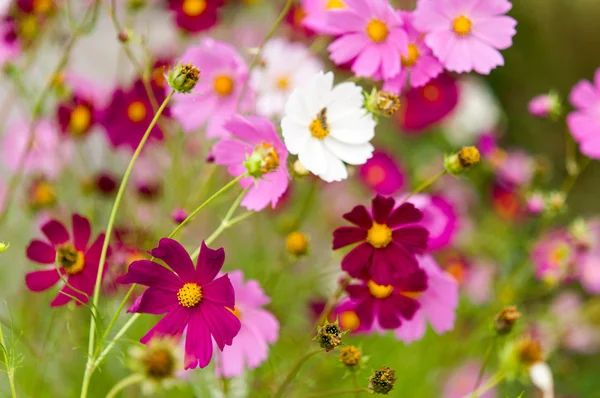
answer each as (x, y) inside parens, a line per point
(222, 323)
(345, 236)
(220, 291)
(209, 264)
(356, 262)
(55, 232)
(404, 214)
(198, 343)
(39, 281)
(155, 301)
(175, 256)
(151, 274)
(41, 252)
(171, 324)
(415, 237)
(81, 232)
(359, 216)
(381, 207)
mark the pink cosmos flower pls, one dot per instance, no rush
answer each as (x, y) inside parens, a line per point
(389, 239)
(587, 244)
(461, 382)
(48, 155)
(259, 329)
(71, 255)
(371, 37)
(255, 134)
(554, 257)
(438, 303)
(215, 97)
(195, 15)
(584, 122)
(420, 66)
(382, 174)
(318, 14)
(439, 218)
(190, 296)
(466, 35)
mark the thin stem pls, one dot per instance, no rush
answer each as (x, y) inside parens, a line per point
(292, 374)
(357, 391)
(488, 356)
(126, 382)
(10, 371)
(112, 343)
(355, 382)
(491, 383)
(256, 59)
(572, 177)
(331, 303)
(109, 230)
(425, 184)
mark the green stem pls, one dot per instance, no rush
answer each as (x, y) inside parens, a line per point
(126, 382)
(356, 391)
(488, 356)
(10, 370)
(292, 374)
(256, 59)
(355, 383)
(491, 383)
(109, 230)
(426, 184)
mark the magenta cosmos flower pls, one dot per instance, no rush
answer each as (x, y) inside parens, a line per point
(190, 296)
(584, 122)
(195, 15)
(438, 304)
(253, 134)
(439, 217)
(215, 97)
(387, 306)
(259, 329)
(371, 37)
(466, 35)
(79, 112)
(71, 255)
(389, 240)
(419, 66)
(129, 115)
(382, 174)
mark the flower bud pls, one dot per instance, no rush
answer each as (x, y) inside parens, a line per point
(350, 356)
(382, 103)
(123, 36)
(183, 78)
(179, 215)
(555, 203)
(296, 243)
(459, 162)
(535, 203)
(529, 352)
(505, 320)
(329, 336)
(4, 247)
(546, 105)
(299, 169)
(382, 381)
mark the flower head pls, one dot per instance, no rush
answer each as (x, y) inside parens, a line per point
(389, 240)
(259, 328)
(327, 126)
(584, 122)
(251, 136)
(195, 15)
(383, 380)
(70, 254)
(158, 363)
(350, 356)
(80, 111)
(214, 99)
(466, 36)
(329, 335)
(382, 174)
(371, 37)
(554, 257)
(297, 243)
(183, 78)
(505, 320)
(190, 297)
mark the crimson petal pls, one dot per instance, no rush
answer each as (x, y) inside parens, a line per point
(155, 301)
(41, 252)
(209, 264)
(220, 291)
(198, 343)
(382, 208)
(345, 236)
(81, 232)
(359, 216)
(175, 256)
(55, 232)
(357, 260)
(171, 324)
(222, 323)
(388, 313)
(151, 274)
(414, 236)
(39, 281)
(404, 214)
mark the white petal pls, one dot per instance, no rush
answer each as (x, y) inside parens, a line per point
(351, 154)
(312, 156)
(336, 169)
(541, 377)
(353, 130)
(294, 134)
(296, 106)
(348, 94)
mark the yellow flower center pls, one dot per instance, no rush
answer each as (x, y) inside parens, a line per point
(380, 291)
(283, 83)
(319, 127)
(223, 85)
(42, 6)
(136, 111)
(193, 8)
(189, 295)
(412, 295)
(335, 4)
(158, 77)
(71, 260)
(44, 194)
(349, 320)
(375, 175)
(269, 158)
(379, 235)
(413, 56)
(559, 254)
(80, 120)
(377, 30)
(296, 243)
(462, 25)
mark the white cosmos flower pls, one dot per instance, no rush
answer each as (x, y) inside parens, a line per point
(286, 66)
(327, 126)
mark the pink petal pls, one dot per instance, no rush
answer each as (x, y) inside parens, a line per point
(209, 264)
(171, 324)
(38, 281)
(228, 151)
(176, 257)
(81, 232)
(223, 325)
(485, 58)
(584, 95)
(198, 343)
(149, 273)
(220, 291)
(390, 61)
(412, 330)
(55, 232)
(368, 62)
(347, 47)
(459, 57)
(583, 125)
(41, 252)
(496, 31)
(345, 21)
(156, 301)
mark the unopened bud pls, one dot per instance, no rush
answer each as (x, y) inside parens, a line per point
(183, 78)
(123, 36)
(546, 105)
(329, 336)
(461, 161)
(296, 243)
(382, 103)
(505, 320)
(383, 380)
(263, 160)
(529, 352)
(179, 215)
(350, 356)
(299, 169)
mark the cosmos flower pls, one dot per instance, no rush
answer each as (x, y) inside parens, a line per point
(195, 16)
(158, 364)
(467, 35)
(382, 174)
(584, 122)
(438, 304)
(387, 306)
(215, 97)
(48, 154)
(389, 240)
(327, 126)
(317, 14)
(190, 296)
(129, 114)
(554, 257)
(71, 255)
(259, 329)
(285, 66)
(427, 105)
(371, 37)
(439, 218)
(419, 66)
(253, 134)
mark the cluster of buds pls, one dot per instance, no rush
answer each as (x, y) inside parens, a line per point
(329, 335)
(383, 380)
(382, 103)
(459, 162)
(505, 320)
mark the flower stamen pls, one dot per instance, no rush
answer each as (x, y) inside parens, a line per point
(193, 8)
(71, 260)
(136, 111)
(319, 127)
(462, 25)
(380, 291)
(223, 85)
(379, 235)
(189, 295)
(412, 57)
(377, 30)
(80, 120)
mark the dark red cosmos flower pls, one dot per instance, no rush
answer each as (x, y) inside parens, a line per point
(389, 240)
(195, 15)
(385, 306)
(190, 296)
(76, 260)
(76, 115)
(129, 114)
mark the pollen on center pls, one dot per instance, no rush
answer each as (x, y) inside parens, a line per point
(379, 235)
(462, 25)
(283, 83)
(412, 57)
(223, 85)
(319, 127)
(189, 295)
(193, 8)
(380, 291)
(335, 5)
(81, 118)
(136, 111)
(377, 30)
(70, 259)
(269, 157)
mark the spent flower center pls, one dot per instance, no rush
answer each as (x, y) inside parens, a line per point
(189, 295)
(380, 291)
(377, 30)
(223, 85)
(193, 8)
(379, 235)
(71, 260)
(462, 25)
(319, 127)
